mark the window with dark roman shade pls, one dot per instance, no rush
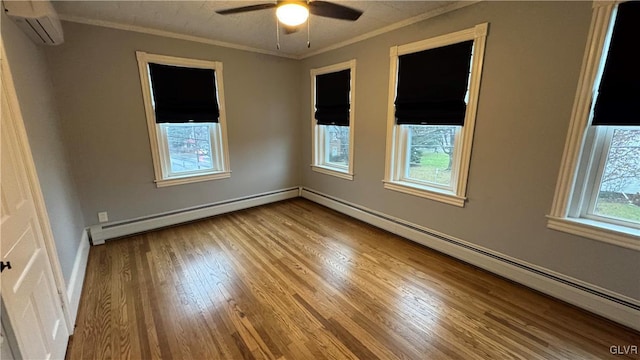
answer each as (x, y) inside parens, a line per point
(332, 98)
(432, 85)
(183, 94)
(618, 101)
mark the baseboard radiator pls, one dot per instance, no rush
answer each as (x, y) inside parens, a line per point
(611, 305)
(100, 233)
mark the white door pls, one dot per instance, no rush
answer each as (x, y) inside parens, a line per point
(29, 290)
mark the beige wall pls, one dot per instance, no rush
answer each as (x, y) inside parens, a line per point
(95, 76)
(532, 64)
(37, 104)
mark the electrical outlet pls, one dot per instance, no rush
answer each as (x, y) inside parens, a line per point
(103, 216)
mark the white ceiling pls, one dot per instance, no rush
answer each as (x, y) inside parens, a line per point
(252, 30)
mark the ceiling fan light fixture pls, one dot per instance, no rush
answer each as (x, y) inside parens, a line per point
(292, 14)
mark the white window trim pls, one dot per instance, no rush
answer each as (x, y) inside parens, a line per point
(316, 141)
(457, 197)
(154, 137)
(575, 151)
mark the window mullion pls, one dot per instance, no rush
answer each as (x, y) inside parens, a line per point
(602, 147)
(163, 143)
(583, 182)
(214, 139)
(321, 145)
(404, 143)
(327, 145)
(457, 159)
(317, 144)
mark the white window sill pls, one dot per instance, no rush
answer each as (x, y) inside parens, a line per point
(425, 192)
(343, 174)
(609, 233)
(192, 179)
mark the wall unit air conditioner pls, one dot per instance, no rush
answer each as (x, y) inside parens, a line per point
(38, 19)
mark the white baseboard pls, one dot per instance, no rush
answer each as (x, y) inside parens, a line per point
(102, 232)
(619, 308)
(74, 288)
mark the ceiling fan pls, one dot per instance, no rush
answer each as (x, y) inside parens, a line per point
(294, 13)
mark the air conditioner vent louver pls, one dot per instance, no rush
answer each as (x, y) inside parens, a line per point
(41, 30)
(38, 19)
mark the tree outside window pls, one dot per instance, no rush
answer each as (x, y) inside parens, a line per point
(619, 192)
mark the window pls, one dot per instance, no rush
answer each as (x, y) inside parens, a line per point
(598, 190)
(333, 94)
(433, 95)
(184, 104)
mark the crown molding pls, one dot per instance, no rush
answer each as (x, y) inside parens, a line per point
(410, 21)
(169, 34)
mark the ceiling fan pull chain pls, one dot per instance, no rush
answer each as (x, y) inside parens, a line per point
(293, 14)
(277, 35)
(309, 32)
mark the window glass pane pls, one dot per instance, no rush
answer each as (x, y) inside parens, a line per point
(430, 153)
(189, 147)
(336, 145)
(619, 193)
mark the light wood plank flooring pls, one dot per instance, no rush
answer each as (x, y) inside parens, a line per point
(294, 280)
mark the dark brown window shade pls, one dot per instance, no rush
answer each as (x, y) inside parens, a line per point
(432, 85)
(332, 98)
(183, 94)
(618, 99)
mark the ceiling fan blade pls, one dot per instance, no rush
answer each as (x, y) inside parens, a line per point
(335, 11)
(246, 9)
(290, 29)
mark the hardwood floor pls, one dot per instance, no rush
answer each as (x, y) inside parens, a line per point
(294, 280)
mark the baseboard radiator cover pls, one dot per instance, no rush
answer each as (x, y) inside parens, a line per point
(102, 232)
(617, 307)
